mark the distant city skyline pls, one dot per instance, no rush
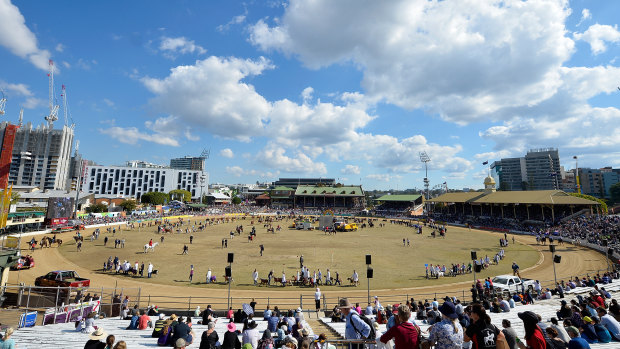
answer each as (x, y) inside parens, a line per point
(318, 89)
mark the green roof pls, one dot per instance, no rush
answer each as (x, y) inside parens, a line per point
(197, 205)
(28, 213)
(399, 198)
(312, 190)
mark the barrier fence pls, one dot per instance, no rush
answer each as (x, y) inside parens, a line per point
(59, 305)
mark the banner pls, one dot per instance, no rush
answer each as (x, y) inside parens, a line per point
(5, 205)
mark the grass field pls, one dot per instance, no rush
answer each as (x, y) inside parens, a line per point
(395, 266)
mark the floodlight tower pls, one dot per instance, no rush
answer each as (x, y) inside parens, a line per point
(204, 155)
(53, 116)
(426, 159)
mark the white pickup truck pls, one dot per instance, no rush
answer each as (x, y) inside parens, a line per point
(511, 284)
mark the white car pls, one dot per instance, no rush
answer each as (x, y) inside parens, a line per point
(510, 284)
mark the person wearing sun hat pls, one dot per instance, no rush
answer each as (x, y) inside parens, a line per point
(231, 339)
(251, 334)
(355, 327)
(534, 336)
(589, 333)
(447, 333)
(95, 339)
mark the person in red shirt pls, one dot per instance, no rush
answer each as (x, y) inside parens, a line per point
(405, 334)
(143, 321)
(533, 334)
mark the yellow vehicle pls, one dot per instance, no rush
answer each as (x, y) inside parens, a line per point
(343, 226)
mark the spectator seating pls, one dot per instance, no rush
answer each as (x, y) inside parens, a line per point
(65, 335)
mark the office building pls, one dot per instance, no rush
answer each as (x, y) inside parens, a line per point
(598, 181)
(510, 174)
(142, 164)
(543, 169)
(41, 156)
(196, 163)
(133, 181)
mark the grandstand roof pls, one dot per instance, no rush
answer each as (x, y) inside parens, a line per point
(399, 198)
(282, 188)
(311, 190)
(538, 197)
(457, 197)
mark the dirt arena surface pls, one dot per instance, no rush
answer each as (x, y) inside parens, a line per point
(398, 270)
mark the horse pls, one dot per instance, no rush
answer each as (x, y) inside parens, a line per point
(78, 238)
(152, 248)
(353, 282)
(59, 242)
(46, 242)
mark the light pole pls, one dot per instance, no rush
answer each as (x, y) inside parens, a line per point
(228, 274)
(553, 261)
(474, 257)
(369, 273)
(202, 183)
(577, 175)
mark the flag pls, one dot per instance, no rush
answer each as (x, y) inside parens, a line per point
(486, 162)
(6, 205)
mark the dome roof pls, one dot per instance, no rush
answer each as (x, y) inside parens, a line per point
(489, 181)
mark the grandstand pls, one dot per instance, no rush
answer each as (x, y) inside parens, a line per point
(399, 205)
(545, 308)
(66, 336)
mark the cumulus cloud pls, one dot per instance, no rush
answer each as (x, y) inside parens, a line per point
(60, 47)
(234, 21)
(236, 171)
(274, 156)
(474, 57)
(384, 177)
(350, 169)
(585, 15)
(131, 135)
(179, 45)
(227, 153)
(21, 41)
(597, 35)
(21, 90)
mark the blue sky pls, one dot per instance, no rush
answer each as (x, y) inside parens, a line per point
(352, 89)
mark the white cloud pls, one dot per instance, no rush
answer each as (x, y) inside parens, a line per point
(585, 15)
(109, 102)
(21, 90)
(66, 64)
(236, 171)
(597, 35)
(179, 45)
(131, 135)
(383, 177)
(474, 57)
(350, 169)
(227, 153)
(60, 47)
(18, 38)
(274, 156)
(234, 21)
(306, 94)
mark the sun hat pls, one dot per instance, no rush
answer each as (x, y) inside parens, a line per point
(252, 324)
(99, 333)
(304, 332)
(231, 327)
(344, 303)
(161, 316)
(449, 310)
(528, 316)
(180, 343)
(299, 310)
(289, 339)
(587, 319)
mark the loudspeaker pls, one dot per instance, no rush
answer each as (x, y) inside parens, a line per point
(228, 272)
(474, 256)
(231, 256)
(610, 251)
(477, 268)
(552, 248)
(557, 258)
(368, 259)
(604, 242)
(369, 271)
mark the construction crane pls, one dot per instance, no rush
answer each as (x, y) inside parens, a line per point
(21, 117)
(53, 116)
(2, 103)
(205, 153)
(63, 95)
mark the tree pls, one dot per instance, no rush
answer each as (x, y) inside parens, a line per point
(128, 205)
(14, 197)
(614, 191)
(185, 195)
(588, 197)
(97, 208)
(236, 200)
(154, 198)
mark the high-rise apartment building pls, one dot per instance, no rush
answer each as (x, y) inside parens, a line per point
(538, 170)
(41, 156)
(196, 163)
(133, 181)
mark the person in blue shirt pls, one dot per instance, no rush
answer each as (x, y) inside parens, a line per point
(7, 342)
(355, 328)
(601, 332)
(576, 342)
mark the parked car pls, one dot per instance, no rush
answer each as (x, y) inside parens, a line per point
(62, 278)
(510, 284)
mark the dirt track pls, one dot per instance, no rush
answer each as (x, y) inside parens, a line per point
(575, 261)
